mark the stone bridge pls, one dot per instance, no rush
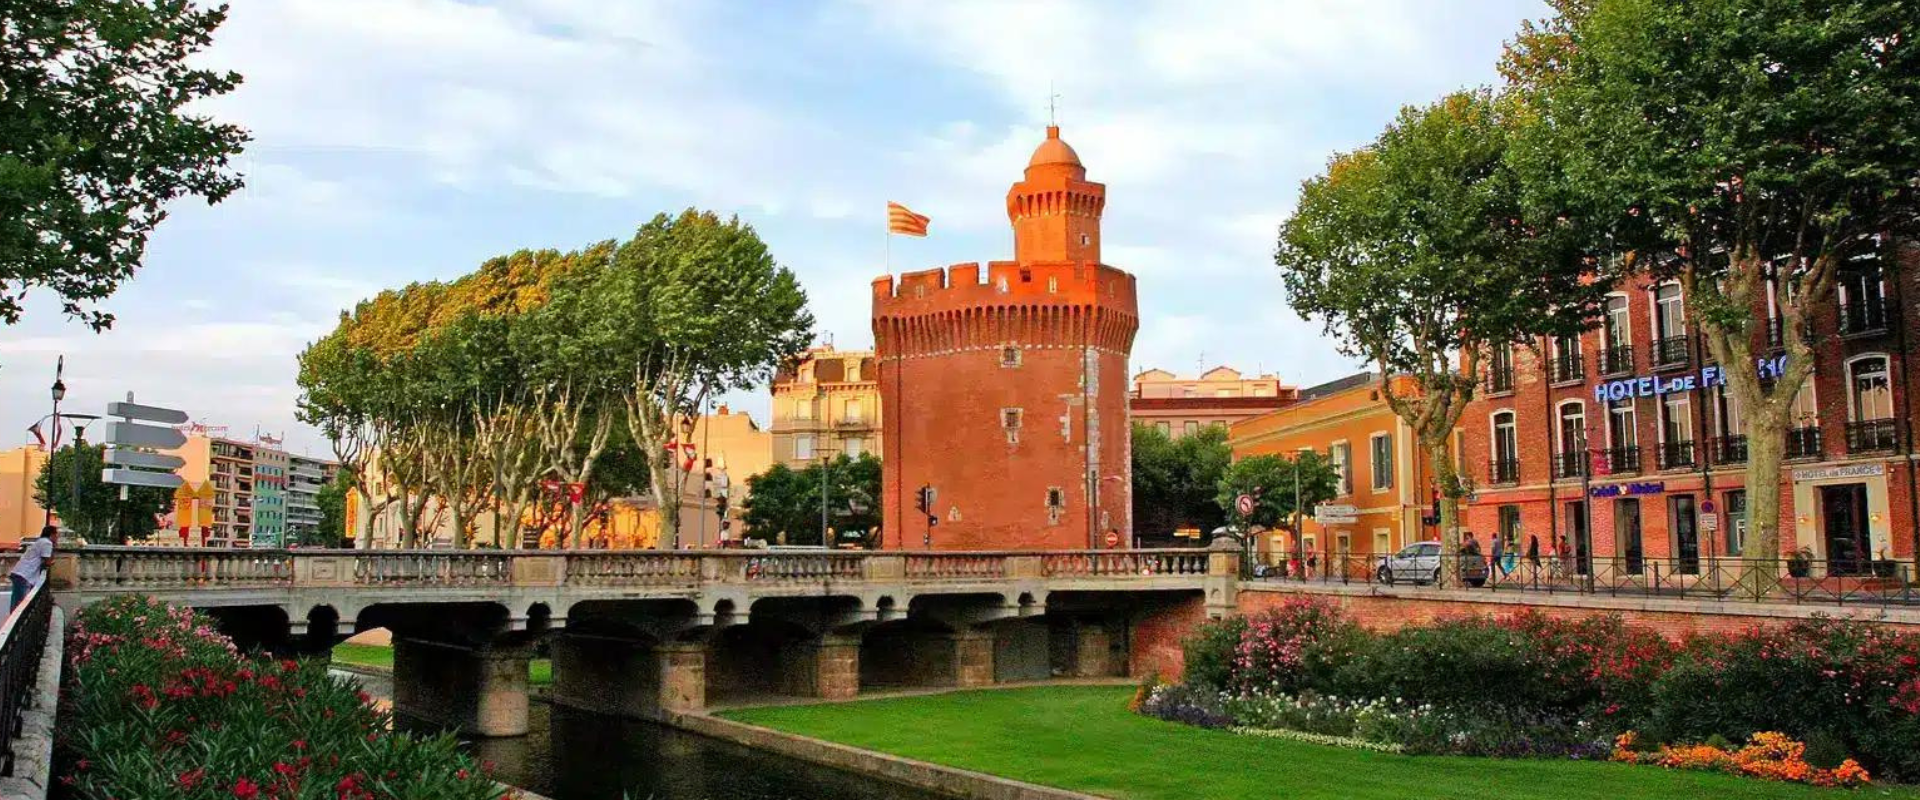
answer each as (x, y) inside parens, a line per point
(651, 633)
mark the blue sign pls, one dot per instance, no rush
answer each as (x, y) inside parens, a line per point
(1655, 385)
(1648, 487)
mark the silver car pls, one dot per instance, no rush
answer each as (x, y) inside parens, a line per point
(1418, 562)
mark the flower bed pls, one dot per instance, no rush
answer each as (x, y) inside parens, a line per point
(156, 703)
(1532, 685)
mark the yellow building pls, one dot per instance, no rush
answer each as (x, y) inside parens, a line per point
(1220, 396)
(1384, 475)
(825, 405)
(20, 516)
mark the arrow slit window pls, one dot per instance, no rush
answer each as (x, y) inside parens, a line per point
(1056, 504)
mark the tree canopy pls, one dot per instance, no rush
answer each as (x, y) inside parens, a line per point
(784, 504)
(1744, 149)
(1175, 481)
(1280, 487)
(96, 138)
(1420, 254)
(544, 369)
(99, 515)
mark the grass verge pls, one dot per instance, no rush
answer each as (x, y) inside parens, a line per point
(539, 670)
(1083, 738)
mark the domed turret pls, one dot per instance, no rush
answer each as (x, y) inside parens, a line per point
(1055, 210)
(1055, 150)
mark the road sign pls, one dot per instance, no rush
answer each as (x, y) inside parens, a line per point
(131, 410)
(1710, 523)
(1244, 504)
(135, 477)
(1330, 514)
(135, 458)
(1113, 538)
(133, 434)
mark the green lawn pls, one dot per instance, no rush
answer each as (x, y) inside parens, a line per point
(539, 670)
(1083, 738)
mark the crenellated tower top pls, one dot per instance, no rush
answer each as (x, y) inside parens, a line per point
(1055, 210)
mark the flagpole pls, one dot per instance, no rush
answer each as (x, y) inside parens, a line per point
(889, 250)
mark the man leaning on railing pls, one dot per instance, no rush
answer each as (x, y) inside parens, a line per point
(32, 566)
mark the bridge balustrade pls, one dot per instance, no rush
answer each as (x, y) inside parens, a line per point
(113, 568)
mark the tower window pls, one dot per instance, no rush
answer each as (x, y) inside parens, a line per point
(1056, 504)
(1010, 418)
(1009, 356)
(1085, 240)
(1053, 285)
(1026, 276)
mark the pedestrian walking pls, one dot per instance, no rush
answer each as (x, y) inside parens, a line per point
(1498, 551)
(1512, 554)
(1533, 554)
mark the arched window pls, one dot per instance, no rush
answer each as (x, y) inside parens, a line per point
(1872, 389)
(1505, 466)
(1570, 456)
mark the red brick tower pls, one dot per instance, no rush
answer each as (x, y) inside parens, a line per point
(1008, 396)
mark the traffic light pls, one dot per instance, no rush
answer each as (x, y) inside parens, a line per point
(923, 500)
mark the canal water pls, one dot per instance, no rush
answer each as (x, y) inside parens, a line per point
(573, 755)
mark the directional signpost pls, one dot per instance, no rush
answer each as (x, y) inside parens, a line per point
(130, 465)
(1330, 514)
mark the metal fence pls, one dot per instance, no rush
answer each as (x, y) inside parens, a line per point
(23, 637)
(1720, 579)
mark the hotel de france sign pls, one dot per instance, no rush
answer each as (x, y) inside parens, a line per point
(1654, 385)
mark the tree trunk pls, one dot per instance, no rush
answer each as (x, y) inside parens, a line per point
(1766, 443)
(1440, 454)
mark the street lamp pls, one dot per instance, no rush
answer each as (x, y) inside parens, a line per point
(59, 393)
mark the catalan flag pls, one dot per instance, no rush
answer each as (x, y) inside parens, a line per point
(903, 221)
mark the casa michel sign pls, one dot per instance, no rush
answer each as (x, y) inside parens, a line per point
(1655, 385)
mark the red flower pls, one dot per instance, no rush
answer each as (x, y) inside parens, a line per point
(288, 665)
(299, 744)
(191, 778)
(246, 789)
(462, 774)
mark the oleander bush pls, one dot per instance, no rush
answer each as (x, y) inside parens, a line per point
(156, 703)
(1819, 701)
(1835, 684)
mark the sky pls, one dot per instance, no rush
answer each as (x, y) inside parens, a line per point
(409, 140)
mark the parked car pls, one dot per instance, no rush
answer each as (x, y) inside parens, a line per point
(1418, 562)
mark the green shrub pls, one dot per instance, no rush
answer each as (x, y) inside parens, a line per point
(1825, 750)
(1854, 682)
(155, 703)
(1209, 652)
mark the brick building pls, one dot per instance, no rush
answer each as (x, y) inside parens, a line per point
(1008, 396)
(1623, 440)
(1220, 396)
(1383, 472)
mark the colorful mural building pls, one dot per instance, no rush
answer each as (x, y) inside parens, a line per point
(826, 404)
(1384, 474)
(1220, 396)
(1625, 440)
(1004, 389)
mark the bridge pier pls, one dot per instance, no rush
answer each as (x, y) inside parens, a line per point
(628, 677)
(478, 689)
(826, 667)
(1084, 649)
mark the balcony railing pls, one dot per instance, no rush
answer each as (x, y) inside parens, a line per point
(1567, 367)
(1729, 449)
(1623, 460)
(1873, 436)
(1503, 471)
(1569, 465)
(1616, 359)
(1500, 381)
(1859, 317)
(1672, 351)
(1676, 454)
(1803, 442)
